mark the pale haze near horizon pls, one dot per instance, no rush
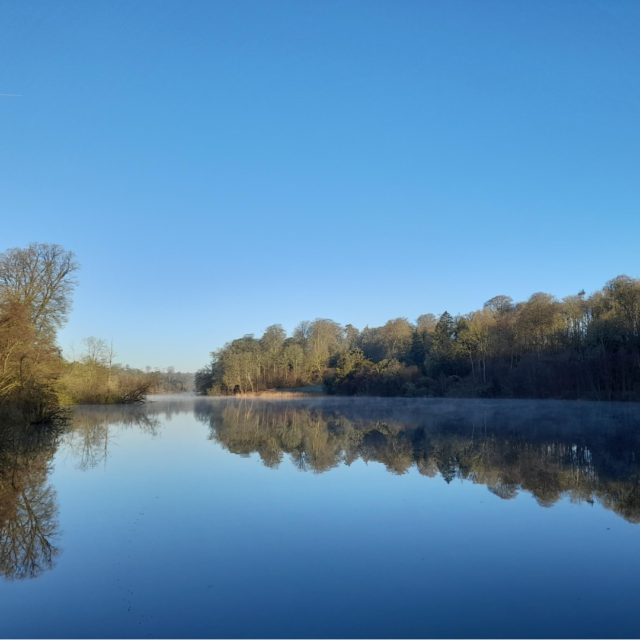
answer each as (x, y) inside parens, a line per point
(218, 167)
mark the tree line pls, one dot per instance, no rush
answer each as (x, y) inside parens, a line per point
(94, 377)
(168, 381)
(579, 347)
(36, 381)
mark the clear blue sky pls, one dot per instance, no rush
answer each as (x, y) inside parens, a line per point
(221, 166)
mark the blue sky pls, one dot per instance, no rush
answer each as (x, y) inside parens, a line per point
(222, 166)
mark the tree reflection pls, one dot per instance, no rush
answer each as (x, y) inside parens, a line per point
(90, 433)
(29, 526)
(551, 450)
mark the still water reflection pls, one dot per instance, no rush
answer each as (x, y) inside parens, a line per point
(197, 517)
(28, 506)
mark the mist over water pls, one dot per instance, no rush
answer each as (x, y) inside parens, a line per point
(324, 517)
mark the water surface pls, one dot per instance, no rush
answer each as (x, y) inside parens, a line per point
(195, 517)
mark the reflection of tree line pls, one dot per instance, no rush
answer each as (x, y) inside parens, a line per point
(29, 529)
(28, 507)
(550, 449)
(94, 427)
(585, 451)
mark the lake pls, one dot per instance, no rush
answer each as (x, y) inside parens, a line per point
(323, 517)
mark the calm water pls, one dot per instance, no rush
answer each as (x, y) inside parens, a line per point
(195, 517)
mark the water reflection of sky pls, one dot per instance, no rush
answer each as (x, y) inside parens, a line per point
(192, 518)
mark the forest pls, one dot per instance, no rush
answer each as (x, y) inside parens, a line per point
(578, 347)
(36, 381)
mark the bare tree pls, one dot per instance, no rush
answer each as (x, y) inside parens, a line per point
(42, 278)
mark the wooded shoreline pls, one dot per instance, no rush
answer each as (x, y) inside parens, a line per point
(37, 383)
(581, 347)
